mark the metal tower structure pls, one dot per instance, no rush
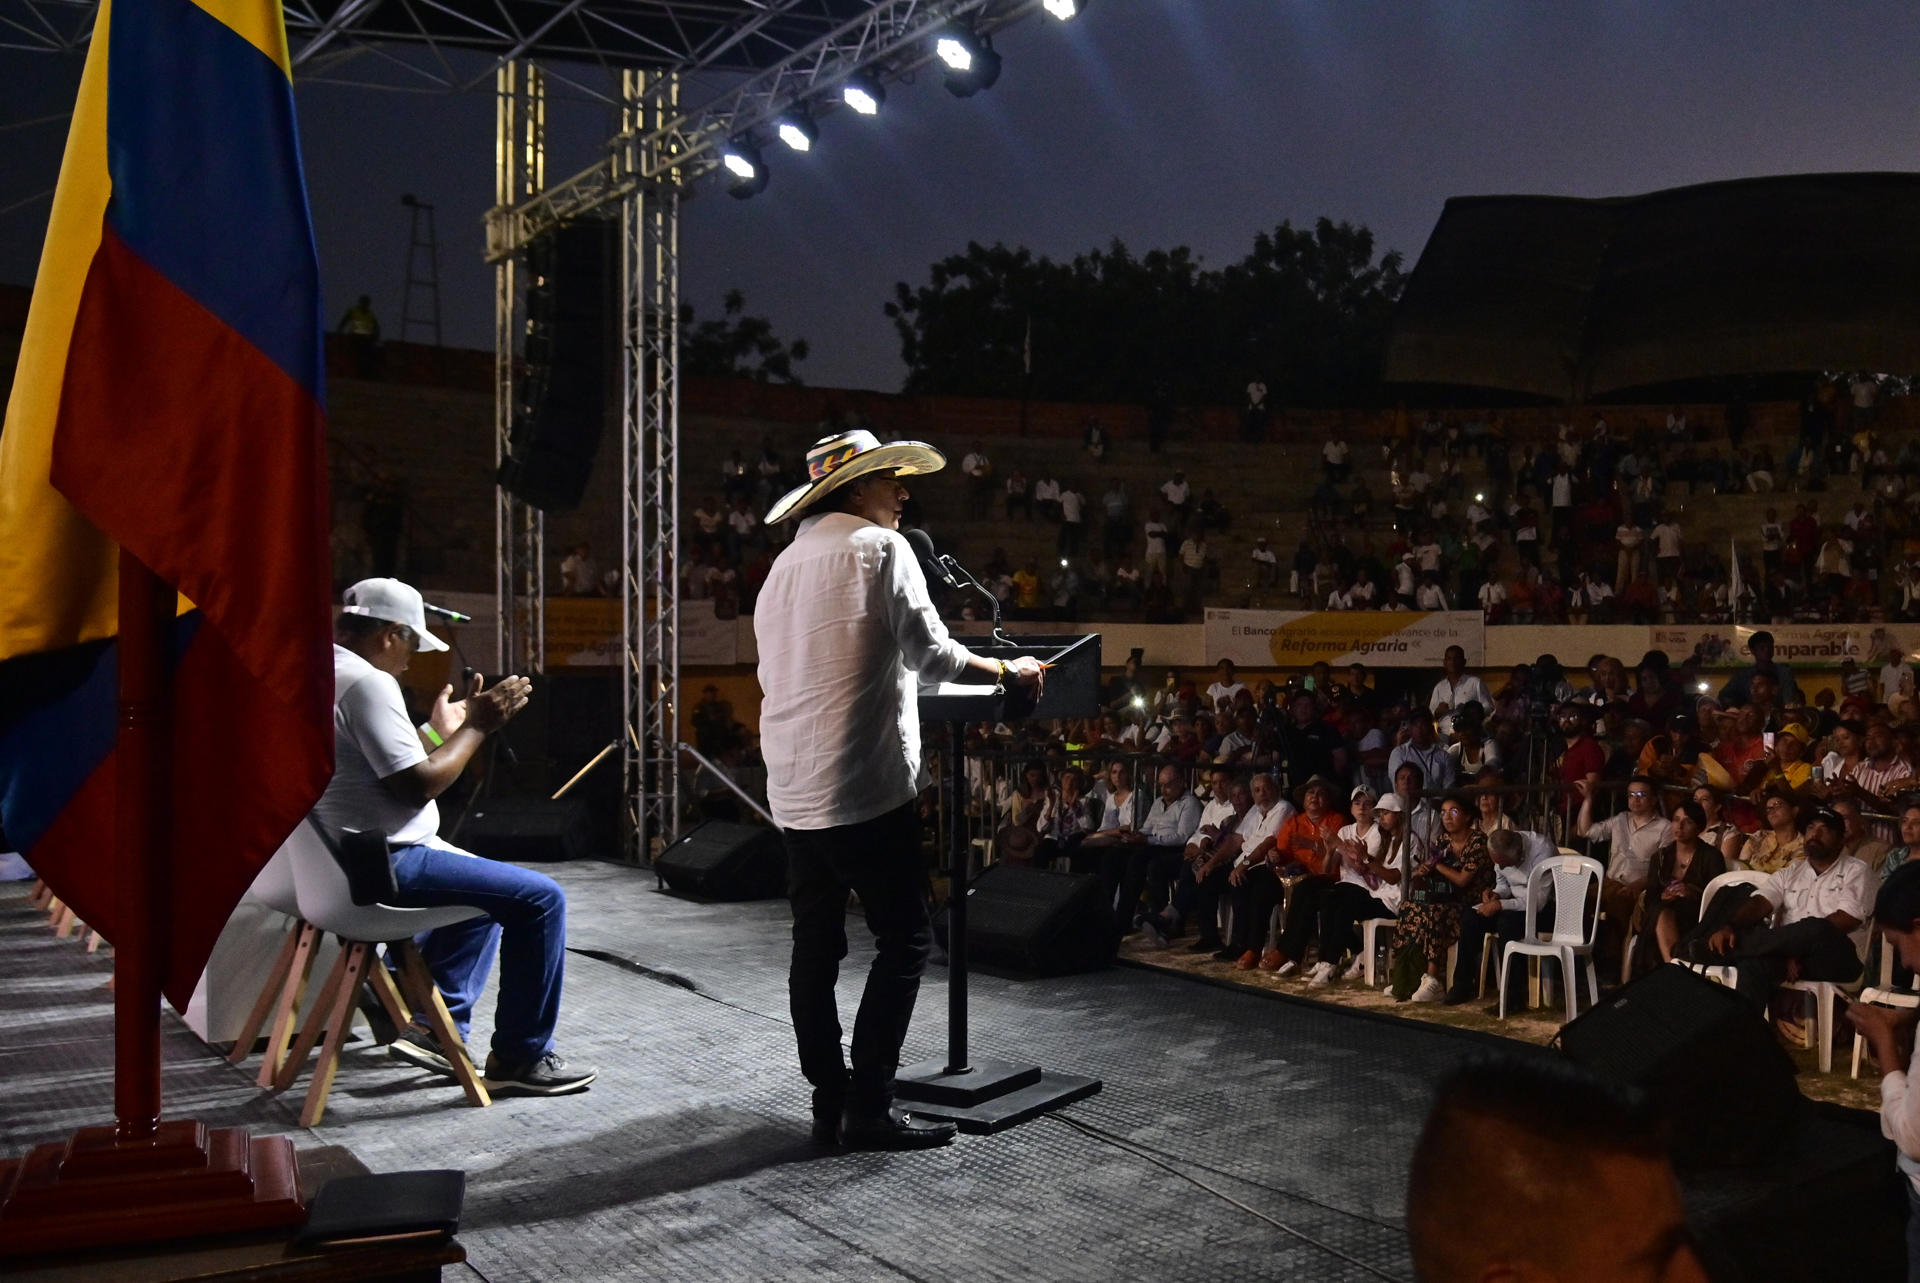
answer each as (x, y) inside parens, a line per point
(519, 530)
(423, 243)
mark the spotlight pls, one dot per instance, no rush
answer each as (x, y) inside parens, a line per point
(1065, 10)
(796, 130)
(749, 173)
(972, 65)
(864, 94)
(1063, 561)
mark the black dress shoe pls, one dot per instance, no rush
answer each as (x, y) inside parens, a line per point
(1204, 945)
(895, 1129)
(826, 1131)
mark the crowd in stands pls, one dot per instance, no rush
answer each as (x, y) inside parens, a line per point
(1307, 808)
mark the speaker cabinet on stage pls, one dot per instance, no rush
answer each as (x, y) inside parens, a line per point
(561, 400)
(1036, 921)
(528, 830)
(722, 861)
(1703, 1053)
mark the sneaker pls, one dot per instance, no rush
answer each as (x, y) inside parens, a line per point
(1358, 971)
(1273, 960)
(419, 1048)
(1154, 932)
(550, 1075)
(1286, 968)
(1322, 974)
(1430, 990)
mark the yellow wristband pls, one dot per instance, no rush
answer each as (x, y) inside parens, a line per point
(433, 736)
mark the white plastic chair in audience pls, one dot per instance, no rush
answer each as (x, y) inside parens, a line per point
(273, 887)
(327, 903)
(1722, 973)
(1574, 880)
(1883, 992)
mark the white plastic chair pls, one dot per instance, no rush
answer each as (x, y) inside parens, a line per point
(1721, 973)
(1573, 880)
(1884, 992)
(273, 887)
(326, 903)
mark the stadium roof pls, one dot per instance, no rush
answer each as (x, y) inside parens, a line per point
(1574, 299)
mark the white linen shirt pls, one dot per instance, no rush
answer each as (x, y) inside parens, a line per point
(1256, 826)
(1900, 1117)
(844, 624)
(1848, 886)
(1632, 846)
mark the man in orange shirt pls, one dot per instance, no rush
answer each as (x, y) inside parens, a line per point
(1301, 846)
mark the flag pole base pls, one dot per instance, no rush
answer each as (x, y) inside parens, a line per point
(100, 1190)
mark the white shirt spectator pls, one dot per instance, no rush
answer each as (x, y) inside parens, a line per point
(1071, 501)
(1666, 540)
(1339, 599)
(1403, 578)
(1363, 595)
(1427, 555)
(976, 464)
(1176, 492)
(1510, 885)
(846, 632)
(1493, 595)
(1629, 536)
(1562, 483)
(1156, 532)
(1633, 843)
(1256, 826)
(1449, 695)
(1430, 597)
(1387, 893)
(1773, 536)
(1894, 676)
(1228, 691)
(1477, 513)
(1436, 765)
(1261, 556)
(1046, 490)
(1848, 886)
(743, 522)
(1419, 481)
(1335, 451)
(1217, 816)
(1193, 553)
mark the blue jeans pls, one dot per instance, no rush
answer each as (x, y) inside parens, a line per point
(525, 919)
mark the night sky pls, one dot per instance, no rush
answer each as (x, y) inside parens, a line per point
(1159, 122)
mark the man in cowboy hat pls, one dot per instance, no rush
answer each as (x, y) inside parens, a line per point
(845, 631)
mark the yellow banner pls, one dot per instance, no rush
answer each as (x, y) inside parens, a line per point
(1382, 638)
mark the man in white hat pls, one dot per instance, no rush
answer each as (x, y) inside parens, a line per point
(846, 630)
(387, 773)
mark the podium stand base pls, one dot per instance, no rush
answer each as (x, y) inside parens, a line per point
(96, 1190)
(929, 1083)
(1033, 1092)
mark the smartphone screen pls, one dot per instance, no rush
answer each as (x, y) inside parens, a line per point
(1766, 740)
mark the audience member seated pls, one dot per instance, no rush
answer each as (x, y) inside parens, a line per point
(1304, 850)
(1254, 868)
(1134, 857)
(1806, 922)
(1500, 912)
(1373, 857)
(1777, 845)
(1202, 880)
(1633, 837)
(1680, 871)
(1449, 873)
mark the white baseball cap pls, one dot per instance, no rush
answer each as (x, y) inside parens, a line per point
(1391, 802)
(395, 602)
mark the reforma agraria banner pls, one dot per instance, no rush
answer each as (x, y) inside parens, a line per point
(1382, 638)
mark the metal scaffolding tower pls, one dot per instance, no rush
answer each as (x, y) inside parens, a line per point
(519, 530)
(423, 272)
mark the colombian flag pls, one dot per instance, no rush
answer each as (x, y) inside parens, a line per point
(168, 401)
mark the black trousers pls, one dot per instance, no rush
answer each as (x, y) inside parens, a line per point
(1475, 928)
(1197, 899)
(879, 860)
(1303, 917)
(1342, 908)
(1131, 869)
(1760, 953)
(1253, 902)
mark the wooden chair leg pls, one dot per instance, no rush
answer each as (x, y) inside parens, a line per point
(380, 980)
(280, 1032)
(427, 1000)
(93, 940)
(352, 973)
(276, 981)
(40, 895)
(64, 924)
(316, 1022)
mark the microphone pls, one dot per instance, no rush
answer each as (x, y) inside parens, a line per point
(930, 561)
(452, 616)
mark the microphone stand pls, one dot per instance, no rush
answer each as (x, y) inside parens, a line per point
(965, 579)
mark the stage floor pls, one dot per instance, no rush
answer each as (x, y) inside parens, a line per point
(1239, 1134)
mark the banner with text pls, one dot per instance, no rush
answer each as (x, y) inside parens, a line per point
(1811, 645)
(1381, 638)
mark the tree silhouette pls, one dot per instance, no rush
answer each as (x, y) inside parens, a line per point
(1307, 311)
(737, 345)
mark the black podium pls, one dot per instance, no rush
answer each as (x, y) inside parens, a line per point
(984, 1096)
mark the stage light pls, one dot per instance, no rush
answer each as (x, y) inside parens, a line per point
(972, 65)
(1064, 10)
(864, 94)
(1705, 687)
(796, 130)
(749, 172)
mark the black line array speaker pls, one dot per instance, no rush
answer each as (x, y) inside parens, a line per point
(722, 861)
(1703, 1053)
(561, 406)
(1036, 921)
(527, 830)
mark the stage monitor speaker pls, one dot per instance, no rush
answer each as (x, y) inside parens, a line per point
(528, 830)
(1036, 921)
(1703, 1053)
(722, 861)
(560, 413)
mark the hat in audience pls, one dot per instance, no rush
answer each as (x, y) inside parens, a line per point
(1391, 802)
(1314, 782)
(1798, 731)
(847, 456)
(1360, 791)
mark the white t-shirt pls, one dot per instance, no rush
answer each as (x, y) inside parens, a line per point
(1045, 489)
(1334, 451)
(1387, 893)
(1224, 690)
(1176, 492)
(1266, 555)
(1891, 675)
(1156, 532)
(1666, 540)
(373, 739)
(1070, 502)
(976, 465)
(1562, 490)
